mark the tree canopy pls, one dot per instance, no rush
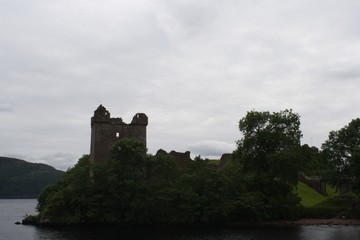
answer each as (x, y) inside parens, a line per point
(269, 139)
(268, 153)
(342, 152)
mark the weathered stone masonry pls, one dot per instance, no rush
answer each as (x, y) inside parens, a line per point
(106, 130)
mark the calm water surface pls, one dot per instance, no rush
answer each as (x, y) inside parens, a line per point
(12, 211)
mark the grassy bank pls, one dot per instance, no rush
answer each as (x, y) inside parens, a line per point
(310, 197)
(315, 205)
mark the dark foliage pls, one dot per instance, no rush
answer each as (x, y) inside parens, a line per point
(257, 185)
(269, 154)
(342, 152)
(133, 187)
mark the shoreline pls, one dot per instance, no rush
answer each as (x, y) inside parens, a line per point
(33, 220)
(315, 222)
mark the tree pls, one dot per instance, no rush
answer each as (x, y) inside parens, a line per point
(313, 162)
(342, 152)
(124, 177)
(67, 200)
(266, 135)
(210, 188)
(269, 155)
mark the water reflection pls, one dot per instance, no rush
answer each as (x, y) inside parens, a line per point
(192, 233)
(202, 233)
(14, 210)
(330, 232)
(173, 233)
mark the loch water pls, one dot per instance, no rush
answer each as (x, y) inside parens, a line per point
(12, 211)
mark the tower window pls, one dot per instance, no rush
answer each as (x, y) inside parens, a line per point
(117, 135)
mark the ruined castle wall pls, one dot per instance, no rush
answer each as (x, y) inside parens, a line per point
(105, 131)
(181, 159)
(225, 159)
(315, 183)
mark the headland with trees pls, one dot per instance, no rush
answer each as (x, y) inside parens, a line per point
(260, 183)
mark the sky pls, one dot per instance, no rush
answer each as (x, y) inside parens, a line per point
(194, 67)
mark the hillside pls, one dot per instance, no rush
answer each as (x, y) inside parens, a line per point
(21, 179)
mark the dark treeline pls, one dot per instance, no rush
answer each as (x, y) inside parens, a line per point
(134, 187)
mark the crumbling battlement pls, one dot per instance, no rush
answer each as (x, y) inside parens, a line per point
(225, 159)
(106, 130)
(180, 158)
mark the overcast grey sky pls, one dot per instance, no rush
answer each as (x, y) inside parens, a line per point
(194, 67)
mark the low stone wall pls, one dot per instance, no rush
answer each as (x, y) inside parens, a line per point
(315, 183)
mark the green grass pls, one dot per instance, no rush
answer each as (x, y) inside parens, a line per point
(319, 206)
(332, 192)
(214, 161)
(309, 197)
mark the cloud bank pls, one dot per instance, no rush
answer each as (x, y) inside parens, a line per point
(194, 67)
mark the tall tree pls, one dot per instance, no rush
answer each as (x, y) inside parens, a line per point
(265, 135)
(342, 151)
(269, 155)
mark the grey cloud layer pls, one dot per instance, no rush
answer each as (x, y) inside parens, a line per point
(195, 67)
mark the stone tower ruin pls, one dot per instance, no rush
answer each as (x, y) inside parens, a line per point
(105, 131)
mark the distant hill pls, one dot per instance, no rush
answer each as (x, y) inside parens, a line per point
(21, 179)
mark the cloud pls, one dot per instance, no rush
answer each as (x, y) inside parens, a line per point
(344, 74)
(211, 148)
(61, 161)
(194, 67)
(6, 107)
